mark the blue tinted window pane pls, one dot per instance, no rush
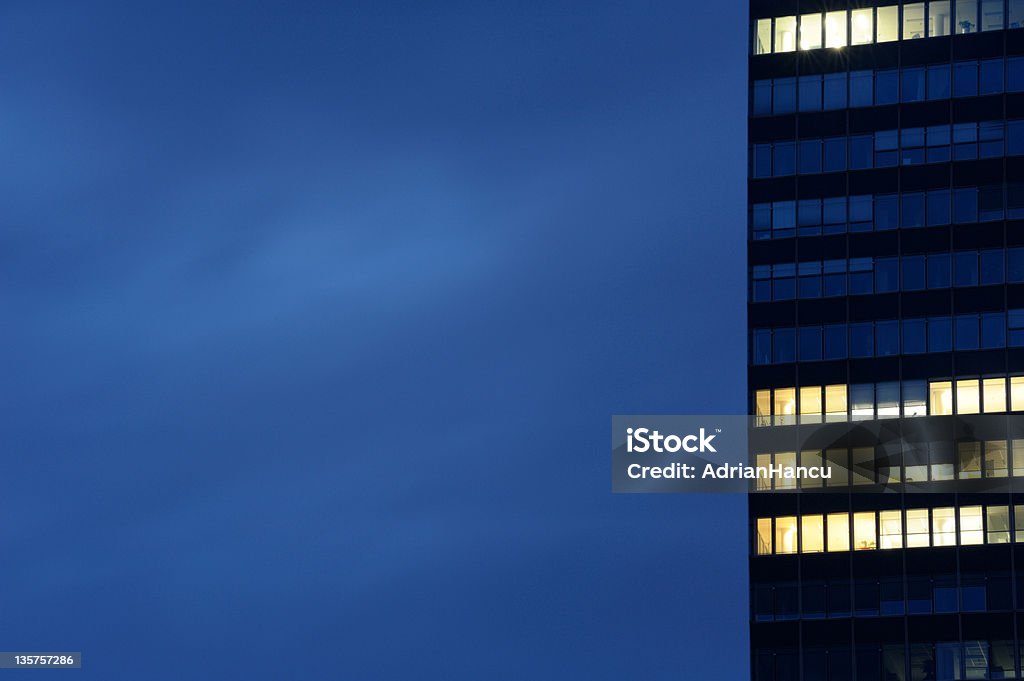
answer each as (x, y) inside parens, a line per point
(783, 215)
(861, 208)
(1015, 74)
(965, 269)
(835, 91)
(990, 81)
(810, 343)
(913, 272)
(835, 341)
(861, 152)
(913, 85)
(886, 146)
(810, 287)
(784, 289)
(762, 346)
(1015, 265)
(762, 160)
(862, 341)
(914, 336)
(810, 93)
(887, 339)
(762, 97)
(938, 207)
(784, 346)
(887, 87)
(860, 88)
(1015, 323)
(940, 334)
(993, 330)
(965, 205)
(990, 203)
(835, 285)
(784, 95)
(834, 211)
(939, 271)
(967, 332)
(785, 158)
(887, 212)
(912, 210)
(938, 82)
(762, 291)
(887, 274)
(965, 79)
(991, 267)
(1014, 138)
(835, 155)
(861, 276)
(810, 156)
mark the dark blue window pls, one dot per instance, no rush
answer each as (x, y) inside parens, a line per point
(887, 338)
(810, 343)
(991, 80)
(965, 205)
(967, 332)
(834, 215)
(913, 272)
(761, 220)
(912, 210)
(835, 91)
(965, 79)
(835, 341)
(1014, 200)
(861, 151)
(990, 203)
(809, 281)
(938, 207)
(762, 160)
(783, 219)
(784, 95)
(991, 139)
(913, 85)
(993, 330)
(938, 139)
(887, 275)
(965, 141)
(762, 97)
(861, 278)
(991, 267)
(972, 598)
(1015, 328)
(1015, 74)
(946, 601)
(784, 281)
(940, 334)
(912, 146)
(860, 88)
(762, 346)
(939, 271)
(938, 82)
(761, 290)
(835, 154)
(835, 278)
(862, 341)
(1014, 138)
(891, 598)
(785, 158)
(914, 336)
(965, 269)
(784, 346)
(1015, 265)
(810, 156)
(887, 87)
(810, 93)
(887, 210)
(886, 148)
(861, 213)
(809, 217)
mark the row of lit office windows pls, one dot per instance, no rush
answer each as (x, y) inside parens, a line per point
(865, 276)
(841, 28)
(867, 212)
(883, 530)
(855, 89)
(888, 338)
(890, 399)
(936, 661)
(914, 463)
(889, 148)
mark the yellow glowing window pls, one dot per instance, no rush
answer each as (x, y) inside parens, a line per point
(1018, 523)
(763, 37)
(764, 462)
(810, 31)
(998, 524)
(838, 525)
(785, 406)
(764, 536)
(810, 404)
(994, 393)
(943, 527)
(917, 528)
(787, 462)
(835, 29)
(913, 21)
(972, 530)
(785, 34)
(835, 402)
(888, 24)
(862, 26)
(763, 408)
(967, 397)
(1017, 457)
(785, 534)
(940, 398)
(1017, 393)
(864, 531)
(996, 459)
(969, 460)
(812, 534)
(939, 20)
(890, 530)
(810, 459)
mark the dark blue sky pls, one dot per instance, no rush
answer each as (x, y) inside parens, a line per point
(314, 318)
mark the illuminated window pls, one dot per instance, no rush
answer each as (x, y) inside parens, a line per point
(864, 531)
(763, 37)
(1017, 452)
(969, 455)
(862, 26)
(838, 462)
(939, 19)
(994, 392)
(1017, 393)
(888, 24)
(835, 402)
(966, 16)
(862, 401)
(785, 406)
(998, 523)
(810, 404)
(812, 534)
(763, 408)
(971, 529)
(915, 398)
(787, 461)
(838, 532)
(996, 459)
(810, 459)
(943, 527)
(887, 398)
(764, 536)
(992, 15)
(785, 534)
(913, 21)
(810, 31)
(967, 397)
(785, 34)
(940, 398)
(890, 524)
(764, 462)
(1018, 523)
(917, 528)
(835, 29)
